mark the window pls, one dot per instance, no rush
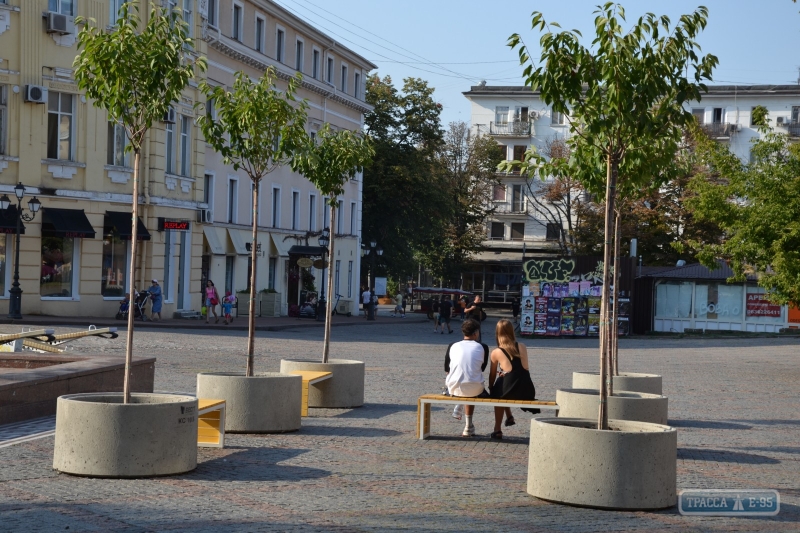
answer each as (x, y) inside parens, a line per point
(718, 115)
(519, 152)
(326, 213)
(65, 7)
(674, 299)
(795, 114)
(718, 301)
(339, 218)
(273, 268)
(699, 115)
(517, 199)
(501, 115)
(187, 16)
(208, 189)
(279, 45)
(553, 231)
(499, 193)
(276, 207)
(233, 200)
(344, 79)
(229, 261)
(298, 56)
(115, 266)
(557, 118)
(58, 255)
(3, 115)
(186, 153)
(336, 277)
(312, 212)
(236, 30)
(498, 231)
(349, 279)
(259, 35)
(751, 115)
(295, 210)
(211, 109)
(212, 13)
(59, 126)
(315, 64)
(522, 114)
(352, 218)
(357, 85)
(117, 140)
(517, 231)
(114, 7)
(330, 70)
(169, 147)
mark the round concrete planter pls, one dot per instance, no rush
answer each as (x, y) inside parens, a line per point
(99, 436)
(631, 467)
(343, 390)
(267, 402)
(627, 381)
(622, 405)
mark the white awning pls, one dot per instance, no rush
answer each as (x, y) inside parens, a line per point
(283, 245)
(238, 241)
(213, 240)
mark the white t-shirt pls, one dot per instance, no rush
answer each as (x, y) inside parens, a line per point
(365, 297)
(466, 376)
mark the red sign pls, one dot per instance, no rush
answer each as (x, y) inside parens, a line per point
(173, 225)
(758, 305)
(794, 315)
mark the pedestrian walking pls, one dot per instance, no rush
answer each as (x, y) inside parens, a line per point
(476, 313)
(436, 308)
(366, 299)
(212, 301)
(399, 305)
(445, 313)
(157, 298)
(227, 307)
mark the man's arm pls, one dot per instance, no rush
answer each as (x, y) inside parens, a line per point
(447, 359)
(485, 356)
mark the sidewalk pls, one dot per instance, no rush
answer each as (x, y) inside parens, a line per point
(239, 323)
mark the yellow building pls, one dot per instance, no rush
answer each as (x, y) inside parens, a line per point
(74, 255)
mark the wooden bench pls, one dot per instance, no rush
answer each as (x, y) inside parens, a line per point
(210, 423)
(310, 377)
(425, 401)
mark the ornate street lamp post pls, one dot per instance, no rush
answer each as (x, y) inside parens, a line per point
(324, 240)
(373, 251)
(15, 293)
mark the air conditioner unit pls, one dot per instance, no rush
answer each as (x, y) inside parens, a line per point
(204, 216)
(60, 24)
(780, 121)
(36, 94)
(169, 116)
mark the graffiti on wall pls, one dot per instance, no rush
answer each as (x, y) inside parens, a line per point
(552, 270)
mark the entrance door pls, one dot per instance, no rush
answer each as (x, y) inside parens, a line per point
(182, 273)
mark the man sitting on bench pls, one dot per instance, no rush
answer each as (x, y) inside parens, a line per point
(464, 363)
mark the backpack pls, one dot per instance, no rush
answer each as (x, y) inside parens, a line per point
(483, 314)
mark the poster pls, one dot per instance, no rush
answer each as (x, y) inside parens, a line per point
(553, 328)
(380, 286)
(594, 305)
(759, 306)
(567, 306)
(527, 305)
(585, 287)
(574, 288)
(539, 324)
(567, 325)
(594, 325)
(526, 325)
(581, 325)
(526, 291)
(554, 306)
(541, 305)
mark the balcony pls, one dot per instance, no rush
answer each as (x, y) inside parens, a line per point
(719, 130)
(511, 129)
(793, 129)
(513, 208)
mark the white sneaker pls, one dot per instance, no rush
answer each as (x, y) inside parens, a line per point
(469, 431)
(458, 410)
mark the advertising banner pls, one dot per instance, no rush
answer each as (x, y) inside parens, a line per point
(758, 305)
(527, 325)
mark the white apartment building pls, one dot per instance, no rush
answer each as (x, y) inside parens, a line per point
(252, 35)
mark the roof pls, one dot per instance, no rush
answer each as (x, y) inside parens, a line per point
(713, 90)
(696, 271)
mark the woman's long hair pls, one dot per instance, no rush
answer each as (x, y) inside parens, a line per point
(504, 333)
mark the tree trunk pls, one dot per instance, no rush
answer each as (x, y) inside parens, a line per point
(126, 386)
(614, 323)
(251, 319)
(326, 343)
(612, 168)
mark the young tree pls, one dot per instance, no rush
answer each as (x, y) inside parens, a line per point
(330, 162)
(624, 96)
(257, 129)
(135, 73)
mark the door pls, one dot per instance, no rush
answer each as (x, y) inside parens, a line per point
(182, 273)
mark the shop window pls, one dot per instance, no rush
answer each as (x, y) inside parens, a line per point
(674, 299)
(716, 301)
(166, 285)
(115, 267)
(58, 254)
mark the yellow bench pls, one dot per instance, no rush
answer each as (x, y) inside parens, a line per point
(426, 400)
(211, 423)
(310, 377)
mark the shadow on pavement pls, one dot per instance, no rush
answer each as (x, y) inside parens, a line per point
(772, 422)
(706, 424)
(348, 431)
(253, 464)
(376, 410)
(725, 456)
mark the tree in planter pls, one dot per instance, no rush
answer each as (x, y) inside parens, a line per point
(624, 96)
(257, 129)
(330, 161)
(135, 73)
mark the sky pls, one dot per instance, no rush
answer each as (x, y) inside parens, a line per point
(454, 44)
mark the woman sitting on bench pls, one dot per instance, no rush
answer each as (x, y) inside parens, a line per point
(513, 378)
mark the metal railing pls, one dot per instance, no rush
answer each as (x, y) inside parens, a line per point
(719, 129)
(793, 129)
(512, 208)
(511, 129)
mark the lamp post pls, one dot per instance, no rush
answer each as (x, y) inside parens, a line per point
(15, 293)
(324, 240)
(373, 251)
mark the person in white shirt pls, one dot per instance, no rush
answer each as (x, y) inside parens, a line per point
(464, 363)
(366, 300)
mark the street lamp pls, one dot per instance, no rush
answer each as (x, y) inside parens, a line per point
(373, 251)
(324, 240)
(15, 293)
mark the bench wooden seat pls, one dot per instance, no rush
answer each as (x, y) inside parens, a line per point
(210, 423)
(310, 377)
(426, 400)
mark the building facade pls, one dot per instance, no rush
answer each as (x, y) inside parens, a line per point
(74, 255)
(253, 35)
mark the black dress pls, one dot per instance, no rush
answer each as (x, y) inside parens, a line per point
(515, 385)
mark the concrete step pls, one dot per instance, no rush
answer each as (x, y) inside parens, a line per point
(187, 314)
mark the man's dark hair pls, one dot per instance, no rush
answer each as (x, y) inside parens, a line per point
(469, 327)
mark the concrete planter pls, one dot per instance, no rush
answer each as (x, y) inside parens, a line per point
(343, 390)
(265, 403)
(623, 405)
(632, 467)
(99, 436)
(627, 381)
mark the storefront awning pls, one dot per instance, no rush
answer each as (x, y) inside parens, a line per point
(306, 251)
(69, 223)
(8, 221)
(238, 241)
(282, 245)
(119, 224)
(213, 240)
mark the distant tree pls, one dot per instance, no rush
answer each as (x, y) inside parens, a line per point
(135, 72)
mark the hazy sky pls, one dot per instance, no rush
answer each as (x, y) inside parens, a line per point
(454, 44)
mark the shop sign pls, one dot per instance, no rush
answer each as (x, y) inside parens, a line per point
(304, 262)
(759, 305)
(794, 314)
(169, 224)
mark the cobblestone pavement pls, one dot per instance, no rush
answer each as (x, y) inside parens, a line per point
(734, 401)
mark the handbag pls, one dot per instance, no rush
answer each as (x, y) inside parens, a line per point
(214, 301)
